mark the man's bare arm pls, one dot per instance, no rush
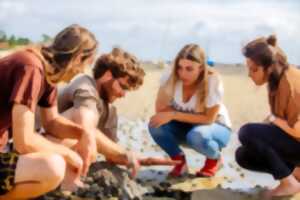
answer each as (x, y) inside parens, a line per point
(59, 126)
(88, 119)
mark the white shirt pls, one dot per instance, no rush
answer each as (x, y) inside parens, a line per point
(215, 97)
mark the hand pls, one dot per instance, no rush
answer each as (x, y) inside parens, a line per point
(160, 119)
(71, 185)
(87, 149)
(133, 163)
(71, 180)
(74, 160)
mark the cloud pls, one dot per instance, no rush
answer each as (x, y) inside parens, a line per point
(158, 29)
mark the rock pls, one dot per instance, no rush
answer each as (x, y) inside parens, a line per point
(105, 181)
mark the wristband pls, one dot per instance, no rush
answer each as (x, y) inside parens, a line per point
(272, 118)
(174, 113)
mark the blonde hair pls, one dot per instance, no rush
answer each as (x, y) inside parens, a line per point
(196, 54)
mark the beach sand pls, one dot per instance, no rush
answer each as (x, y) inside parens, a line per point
(245, 102)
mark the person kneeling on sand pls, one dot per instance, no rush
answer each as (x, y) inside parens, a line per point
(29, 80)
(273, 146)
(87, 101)
(189, 109)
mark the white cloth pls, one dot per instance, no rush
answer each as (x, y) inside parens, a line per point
(215, 97)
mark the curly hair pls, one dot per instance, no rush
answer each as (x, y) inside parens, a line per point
(121, 64)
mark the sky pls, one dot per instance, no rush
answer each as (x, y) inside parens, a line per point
(158, 29)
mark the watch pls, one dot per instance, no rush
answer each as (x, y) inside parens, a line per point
(272, 118)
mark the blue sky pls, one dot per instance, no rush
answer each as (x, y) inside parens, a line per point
(157, 29)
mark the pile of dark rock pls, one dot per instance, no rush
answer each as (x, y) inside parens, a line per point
(106, 181)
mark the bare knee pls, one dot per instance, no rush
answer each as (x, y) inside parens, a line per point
(43, 170)
(54, 168)
(57, 167)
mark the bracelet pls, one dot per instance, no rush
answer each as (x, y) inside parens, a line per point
(174, 113)
(272, 118)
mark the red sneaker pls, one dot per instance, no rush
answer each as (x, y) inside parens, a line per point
(180, 168)
(210, 168)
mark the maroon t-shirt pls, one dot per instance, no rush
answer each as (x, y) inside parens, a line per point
(22, 81)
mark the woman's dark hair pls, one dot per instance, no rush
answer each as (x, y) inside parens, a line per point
(265, 53)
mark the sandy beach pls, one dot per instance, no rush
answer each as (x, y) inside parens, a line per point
(245, 102)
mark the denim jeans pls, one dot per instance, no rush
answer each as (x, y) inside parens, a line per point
(205, 139)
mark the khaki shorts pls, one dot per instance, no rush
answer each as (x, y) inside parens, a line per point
(8, 164)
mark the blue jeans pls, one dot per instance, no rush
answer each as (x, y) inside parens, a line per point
(205, 139)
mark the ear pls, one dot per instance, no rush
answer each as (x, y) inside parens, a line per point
(77, 60)
(106, 76)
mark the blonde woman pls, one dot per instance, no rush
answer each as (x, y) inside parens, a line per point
(189, 110)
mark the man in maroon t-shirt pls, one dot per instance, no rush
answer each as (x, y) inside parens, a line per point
(29, 78)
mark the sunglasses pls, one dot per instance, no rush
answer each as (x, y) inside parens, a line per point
(122, 85)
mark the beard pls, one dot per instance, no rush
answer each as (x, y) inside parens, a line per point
(104, 94)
